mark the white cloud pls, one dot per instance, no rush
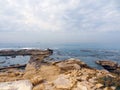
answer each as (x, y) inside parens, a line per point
(59, 15)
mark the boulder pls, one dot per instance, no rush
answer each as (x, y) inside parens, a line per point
(110, 66)
(16, 85)
(71, 64)
(63, 82)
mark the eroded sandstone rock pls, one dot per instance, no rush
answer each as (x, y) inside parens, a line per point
(16, 85)
(63, 82)
(71, 74)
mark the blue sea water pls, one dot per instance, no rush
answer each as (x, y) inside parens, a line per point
(89, 56)
(87, 53)
(9, 61)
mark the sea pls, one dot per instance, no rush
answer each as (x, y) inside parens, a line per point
(85, 52)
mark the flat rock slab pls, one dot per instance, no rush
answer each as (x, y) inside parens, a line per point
(16, 85)
(63, 82)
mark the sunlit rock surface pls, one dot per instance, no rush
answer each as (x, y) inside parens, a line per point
(16, 85)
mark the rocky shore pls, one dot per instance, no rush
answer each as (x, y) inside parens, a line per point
(70, 74)
(24, 52)
(110, 66)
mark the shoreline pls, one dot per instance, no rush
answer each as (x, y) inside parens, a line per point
(44, 75)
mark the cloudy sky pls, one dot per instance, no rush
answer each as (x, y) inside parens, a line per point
(60, 21)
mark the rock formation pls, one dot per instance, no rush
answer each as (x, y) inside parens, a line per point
(70, 74)
(25, 52)
(110, 66)
(16, 85)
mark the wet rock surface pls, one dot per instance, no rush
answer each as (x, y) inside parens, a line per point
(14, 53)
(70, 74)
(110, 66)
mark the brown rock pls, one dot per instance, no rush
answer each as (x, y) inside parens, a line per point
(80, 87)
(71, 64)
(99, 85)
(69, 74)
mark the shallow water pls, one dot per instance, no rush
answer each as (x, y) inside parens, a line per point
(8, 60)
(89, 56)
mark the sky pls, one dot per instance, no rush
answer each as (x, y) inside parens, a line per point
(60, 21)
